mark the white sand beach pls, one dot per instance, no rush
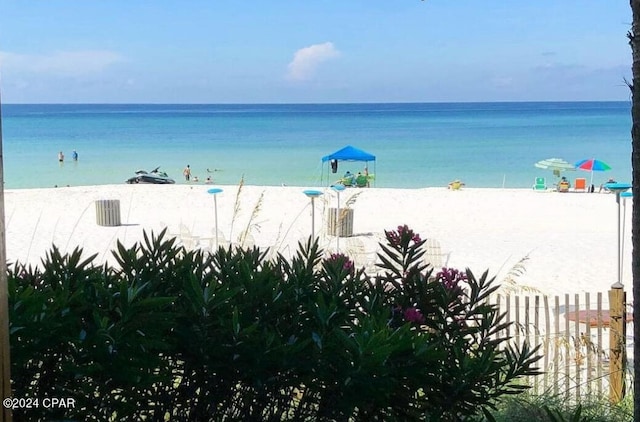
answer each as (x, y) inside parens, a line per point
(570, 239)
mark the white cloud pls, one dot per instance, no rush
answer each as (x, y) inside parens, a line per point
(60, 63)
(306, 60)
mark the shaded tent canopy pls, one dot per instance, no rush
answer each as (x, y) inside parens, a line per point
(348, 153)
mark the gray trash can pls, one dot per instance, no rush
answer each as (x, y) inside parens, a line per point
(341, 225)
(108, 212)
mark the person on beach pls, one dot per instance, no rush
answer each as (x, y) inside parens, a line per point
(603, 187)
(348, 179)
(74, 155)
(361, 180)
(187, 173)
(60, 157)
(564, 185)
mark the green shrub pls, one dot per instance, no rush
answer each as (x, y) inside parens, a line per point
(171, 334)
(547, 407)
(84, 332)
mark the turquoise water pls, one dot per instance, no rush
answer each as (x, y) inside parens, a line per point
(416, 145)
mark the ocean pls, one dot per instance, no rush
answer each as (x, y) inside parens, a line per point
(416, 145)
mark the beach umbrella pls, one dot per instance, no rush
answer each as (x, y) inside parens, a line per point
(556, 165)
(591, 164)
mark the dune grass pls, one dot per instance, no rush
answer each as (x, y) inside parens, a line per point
(553, 408)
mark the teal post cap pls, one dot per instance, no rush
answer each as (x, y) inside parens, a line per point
(626, 194)
(311, 193)
(338, 187)
(214, 190)
(617, 187)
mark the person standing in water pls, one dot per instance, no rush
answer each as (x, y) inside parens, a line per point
(74, 155)
(187, 173)
(60, 156)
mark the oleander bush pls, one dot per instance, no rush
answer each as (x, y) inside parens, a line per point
(171, 334)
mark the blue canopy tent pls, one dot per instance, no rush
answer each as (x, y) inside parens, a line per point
(349, 153)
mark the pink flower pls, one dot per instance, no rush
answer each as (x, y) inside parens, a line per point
(450, 277)
(348, 264)
(395, 236)
(413, 315)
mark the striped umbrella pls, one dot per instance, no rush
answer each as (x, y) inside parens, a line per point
(555, 164)
(591, 164)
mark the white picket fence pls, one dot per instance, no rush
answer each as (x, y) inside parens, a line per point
(573, 332)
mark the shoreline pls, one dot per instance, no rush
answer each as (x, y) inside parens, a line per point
(568, 242)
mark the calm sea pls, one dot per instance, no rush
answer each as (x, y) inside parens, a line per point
(416, 145)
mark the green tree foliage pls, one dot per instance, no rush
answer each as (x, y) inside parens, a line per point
(171, 334)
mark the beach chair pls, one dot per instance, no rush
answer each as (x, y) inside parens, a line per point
(246, 240)
(455, 185)
(434, 257)
(361, 255)
(187, 239)
(540, 184)
(580, 184)
(361, 181)
(347, 181)
(211, 241)
(170, 233)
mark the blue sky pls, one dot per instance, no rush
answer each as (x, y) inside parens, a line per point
(285, 51)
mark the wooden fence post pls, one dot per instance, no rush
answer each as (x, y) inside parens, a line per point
(617, 343)
(5, 360)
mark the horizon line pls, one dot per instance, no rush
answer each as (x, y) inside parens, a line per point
(324, 103)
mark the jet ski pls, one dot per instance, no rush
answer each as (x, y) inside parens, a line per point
(155, 176)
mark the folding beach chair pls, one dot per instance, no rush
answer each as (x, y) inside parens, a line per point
(434, 257)
(580, 184)
(361, 181)
(540, 184)
(187, 239)
(455, 185)
(362, 255)
(211, 241)
(246, 240)
(170, 233)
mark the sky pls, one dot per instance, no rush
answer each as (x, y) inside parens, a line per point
(321, 51)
